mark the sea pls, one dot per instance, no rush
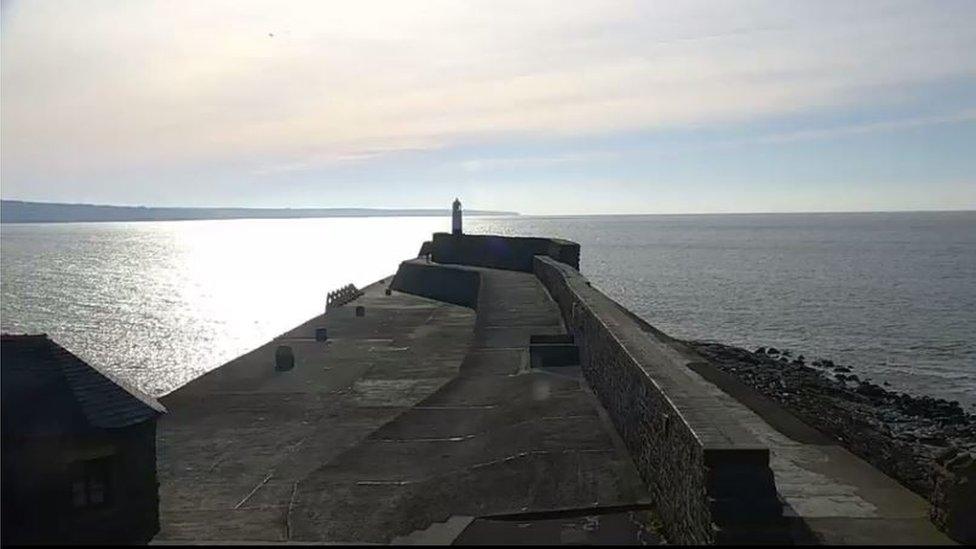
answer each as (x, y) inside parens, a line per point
(890, 295)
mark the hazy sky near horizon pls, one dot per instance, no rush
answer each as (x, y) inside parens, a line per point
(540, 107)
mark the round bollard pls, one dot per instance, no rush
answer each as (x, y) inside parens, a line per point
(284, 358)
(389, 291)
(321, 334)
(360, 310)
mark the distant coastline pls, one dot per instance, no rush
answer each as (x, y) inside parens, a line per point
(18, 211)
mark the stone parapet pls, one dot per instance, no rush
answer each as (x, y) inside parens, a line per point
(447, 284)
(709, 477)
(501, 252)
(954, 496)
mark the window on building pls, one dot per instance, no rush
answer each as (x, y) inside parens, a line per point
(91, 483)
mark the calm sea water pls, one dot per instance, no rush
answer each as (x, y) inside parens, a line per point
(893, 295)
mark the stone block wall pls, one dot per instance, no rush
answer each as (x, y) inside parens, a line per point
(954, 497)
(710, 485)
(501, 252)
(451, 285)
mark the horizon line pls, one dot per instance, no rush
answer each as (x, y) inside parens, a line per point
(511, 213)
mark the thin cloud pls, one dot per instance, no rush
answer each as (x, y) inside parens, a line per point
(968, 115)
(91, 88)
(509, 163)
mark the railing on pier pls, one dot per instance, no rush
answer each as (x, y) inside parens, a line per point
(345, 294)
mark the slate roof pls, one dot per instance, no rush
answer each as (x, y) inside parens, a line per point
(34, 368)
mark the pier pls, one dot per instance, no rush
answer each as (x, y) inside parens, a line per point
(488, 393)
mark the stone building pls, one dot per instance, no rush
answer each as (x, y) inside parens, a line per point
(79, 449)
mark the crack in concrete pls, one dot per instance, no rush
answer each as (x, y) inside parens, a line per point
(442, 439)
(253, 490)
(271, 473)
(291, 506)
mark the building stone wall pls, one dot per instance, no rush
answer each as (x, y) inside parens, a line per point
(37, 488)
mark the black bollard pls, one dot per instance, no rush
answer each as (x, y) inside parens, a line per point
(321, 334)
(360, 310)
(284, 358)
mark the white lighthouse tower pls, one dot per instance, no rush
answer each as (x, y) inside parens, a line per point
(456, 217)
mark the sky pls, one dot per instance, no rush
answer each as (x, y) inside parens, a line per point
(545, 108)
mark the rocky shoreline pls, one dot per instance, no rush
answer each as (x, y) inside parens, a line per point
(927, 444)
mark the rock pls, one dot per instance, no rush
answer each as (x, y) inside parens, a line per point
(869, 389)
(843, 369)
(772, 351)
(959, 462)
(761, 351)
(946, 455)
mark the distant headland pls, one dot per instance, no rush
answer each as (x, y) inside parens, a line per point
(18, 211)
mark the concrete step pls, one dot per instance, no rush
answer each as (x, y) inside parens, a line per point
(745, 511)
(776, 534)
(553, 351)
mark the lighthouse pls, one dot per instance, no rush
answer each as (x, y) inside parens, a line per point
(456, 217)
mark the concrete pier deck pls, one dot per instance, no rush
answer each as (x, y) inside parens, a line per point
(418, 422)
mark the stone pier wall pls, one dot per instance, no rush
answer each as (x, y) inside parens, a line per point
(451, 285)
(711, 480)
(710, 477)
(501, 252)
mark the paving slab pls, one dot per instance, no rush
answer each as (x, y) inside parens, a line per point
(832, 496)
